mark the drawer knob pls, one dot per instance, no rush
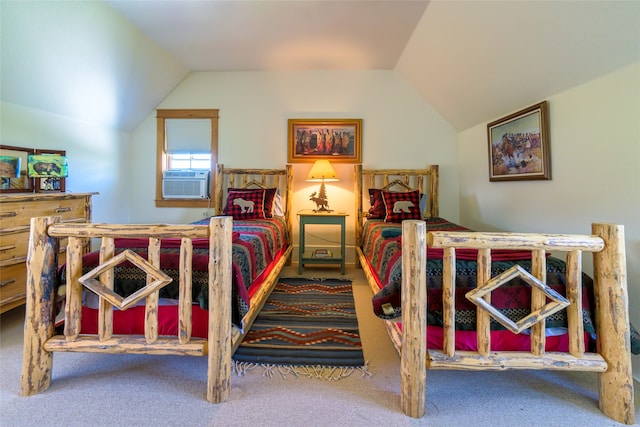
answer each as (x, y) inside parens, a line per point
(7, 282)
(60, 210)
(8, 214)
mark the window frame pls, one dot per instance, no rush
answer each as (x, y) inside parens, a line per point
(162, 158)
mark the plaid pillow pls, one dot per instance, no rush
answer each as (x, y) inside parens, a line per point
(402, 205)
(377, 210)
(245, 204)
(269, 196)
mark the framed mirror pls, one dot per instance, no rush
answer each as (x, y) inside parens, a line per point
(13, 169)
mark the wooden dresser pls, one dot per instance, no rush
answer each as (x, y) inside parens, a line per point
(16, 211)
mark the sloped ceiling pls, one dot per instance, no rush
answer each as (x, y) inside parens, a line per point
(112, 62)
(278, 35)
(82, 60)
(475, 61)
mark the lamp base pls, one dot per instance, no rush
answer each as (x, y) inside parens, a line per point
(322, 204)
(323, 209)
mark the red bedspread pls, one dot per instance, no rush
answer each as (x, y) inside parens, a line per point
(257, 245)
(382, 247)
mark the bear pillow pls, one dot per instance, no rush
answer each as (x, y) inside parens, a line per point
(401, 206)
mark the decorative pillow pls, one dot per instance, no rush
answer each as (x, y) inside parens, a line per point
(245, 204)
(389, 233)
(377, 210)
(402, 205)
(278, 209)
(269, 196)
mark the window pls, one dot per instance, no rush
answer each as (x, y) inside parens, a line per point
(186, 139)
(188, 161)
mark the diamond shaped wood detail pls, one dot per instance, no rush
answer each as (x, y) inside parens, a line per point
(557, 303)
(160, 280)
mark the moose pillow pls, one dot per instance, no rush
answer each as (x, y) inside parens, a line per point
(245, 204)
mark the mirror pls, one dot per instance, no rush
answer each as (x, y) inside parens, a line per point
(13, 169)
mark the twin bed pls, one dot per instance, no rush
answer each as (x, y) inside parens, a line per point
(476, 301)
(458, 299)
(160, 289)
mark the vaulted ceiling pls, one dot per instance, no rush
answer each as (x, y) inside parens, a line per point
(112, 62)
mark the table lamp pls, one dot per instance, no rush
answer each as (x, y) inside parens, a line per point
(320, 172)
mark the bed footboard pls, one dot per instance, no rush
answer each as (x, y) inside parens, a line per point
(39, 339)
(613, 359)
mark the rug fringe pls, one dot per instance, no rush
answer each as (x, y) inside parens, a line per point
(327, 373)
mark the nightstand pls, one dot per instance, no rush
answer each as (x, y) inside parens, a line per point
(322, 218)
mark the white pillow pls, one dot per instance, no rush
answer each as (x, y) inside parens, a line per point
(277, 210)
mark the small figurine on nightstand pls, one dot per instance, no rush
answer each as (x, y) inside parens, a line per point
(322, 204)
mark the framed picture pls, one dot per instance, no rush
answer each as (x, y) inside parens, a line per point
(519, 145)
(338, 140)
(49, 168)
(13, 169)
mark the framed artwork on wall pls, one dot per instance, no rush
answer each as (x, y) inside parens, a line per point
(337, 140)
(519, 145)
(50, 169)
(13, 169)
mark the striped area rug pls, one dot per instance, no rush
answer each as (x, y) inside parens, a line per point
(308, 327)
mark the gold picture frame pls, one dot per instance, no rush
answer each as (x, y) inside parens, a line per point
(519, 145)
(337, 140)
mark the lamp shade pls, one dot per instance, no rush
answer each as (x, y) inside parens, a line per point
(322, 171)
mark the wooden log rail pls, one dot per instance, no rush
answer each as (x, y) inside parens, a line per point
(40, 342)
(613, 360)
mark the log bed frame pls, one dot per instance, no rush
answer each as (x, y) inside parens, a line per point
(40, 340)
(612, 362)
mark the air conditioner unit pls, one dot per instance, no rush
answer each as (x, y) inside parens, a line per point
(185, 184)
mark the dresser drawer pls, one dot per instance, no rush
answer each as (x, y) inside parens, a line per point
(16, 214)
(16, 211)
(13, 245)
(13, 283)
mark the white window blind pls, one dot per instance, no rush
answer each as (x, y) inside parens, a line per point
(188, 136)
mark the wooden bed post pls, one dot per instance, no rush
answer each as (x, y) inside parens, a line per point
(413, 359)
(434, 191)
(218, 196)
(220, 300)
(612, 324)
(40, 317)
(357, 179)
(288, 206)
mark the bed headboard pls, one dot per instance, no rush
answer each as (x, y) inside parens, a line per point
(282, 179)
(424, 180)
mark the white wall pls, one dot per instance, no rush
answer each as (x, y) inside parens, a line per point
(82, 59)
(96, 157)
(595, 156)
(399, 130)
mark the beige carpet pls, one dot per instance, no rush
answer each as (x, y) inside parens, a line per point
(129, 390)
